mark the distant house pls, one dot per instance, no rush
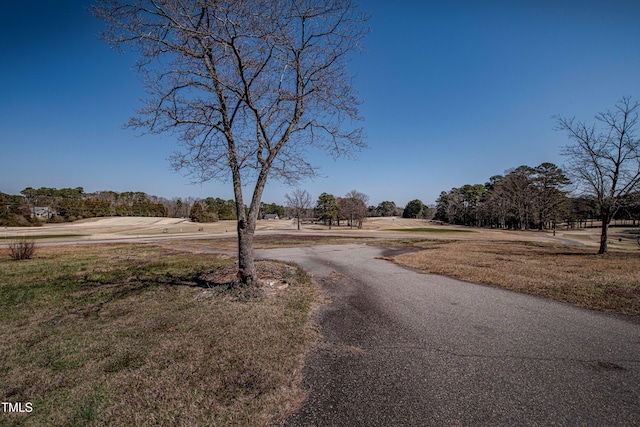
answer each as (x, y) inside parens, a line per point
(271, 216)
(42, 212)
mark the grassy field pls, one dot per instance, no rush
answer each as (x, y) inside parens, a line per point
(572, 274)
(142, 335)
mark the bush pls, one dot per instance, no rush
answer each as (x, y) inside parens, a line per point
(15, 220)
(22, 248)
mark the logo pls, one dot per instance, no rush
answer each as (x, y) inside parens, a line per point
(18, 407)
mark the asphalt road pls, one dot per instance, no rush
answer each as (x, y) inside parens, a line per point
(407, 349)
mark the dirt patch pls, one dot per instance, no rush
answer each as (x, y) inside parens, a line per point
(224, 282)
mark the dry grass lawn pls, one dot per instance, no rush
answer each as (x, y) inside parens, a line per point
(139, 335)
(567, 273)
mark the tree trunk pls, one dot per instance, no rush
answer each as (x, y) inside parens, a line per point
(541, 222)
(247, 221)
(247, 273)
(604, 235)
(298, 222)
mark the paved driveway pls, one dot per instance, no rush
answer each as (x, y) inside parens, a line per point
(403, 348)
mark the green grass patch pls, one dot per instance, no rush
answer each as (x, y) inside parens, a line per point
(291, 240)
(431, 230)
(132, 335)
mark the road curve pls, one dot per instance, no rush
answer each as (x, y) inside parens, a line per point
(403, 348)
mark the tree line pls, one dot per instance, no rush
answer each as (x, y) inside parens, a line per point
(523, 198)
(34, 206)
(69, 204)
(212, 210)
(526, 198)
(351, 209)
(45, 204)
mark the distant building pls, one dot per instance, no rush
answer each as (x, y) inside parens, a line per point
(42, 212)
(271, 216)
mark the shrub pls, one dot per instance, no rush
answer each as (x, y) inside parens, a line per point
(22, 248)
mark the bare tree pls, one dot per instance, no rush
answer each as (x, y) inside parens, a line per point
(299, 202)
(353, 207)
(246, 86)
(604, 159)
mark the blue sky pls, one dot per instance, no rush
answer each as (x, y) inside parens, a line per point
(453, 92)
